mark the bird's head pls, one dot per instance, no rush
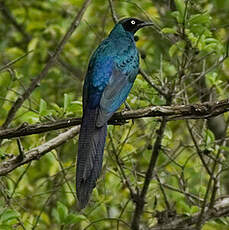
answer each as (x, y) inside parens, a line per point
(132, 25)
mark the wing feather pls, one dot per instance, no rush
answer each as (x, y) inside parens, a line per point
(115, 93)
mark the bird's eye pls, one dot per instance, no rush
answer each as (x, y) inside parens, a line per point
(133, 22)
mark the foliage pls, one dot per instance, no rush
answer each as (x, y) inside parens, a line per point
(184, 54)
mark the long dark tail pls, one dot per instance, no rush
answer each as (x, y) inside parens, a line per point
(90, 155)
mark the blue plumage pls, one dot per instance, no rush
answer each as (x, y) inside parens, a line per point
(111, 73)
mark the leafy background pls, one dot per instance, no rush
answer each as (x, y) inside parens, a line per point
(185, 52)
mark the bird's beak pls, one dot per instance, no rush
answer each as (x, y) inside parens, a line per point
(143, 24)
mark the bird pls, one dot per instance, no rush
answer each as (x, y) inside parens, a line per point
(111, 73)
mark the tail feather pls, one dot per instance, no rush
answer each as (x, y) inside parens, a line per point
(90, 155)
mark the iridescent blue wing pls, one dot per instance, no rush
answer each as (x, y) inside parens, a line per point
(118, 87)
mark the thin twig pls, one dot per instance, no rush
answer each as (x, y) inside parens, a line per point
(18, 180)
(163, 192)
(14, 61)
(42, 209)
(182, 192)
(114, 16)
(65, 176)
(199, 152)
(201, 218)
(122, 172)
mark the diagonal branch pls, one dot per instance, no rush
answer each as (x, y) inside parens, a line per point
(9, 64)
(16, 106)
(173, 112)
(36, 153)
(114, 16)
(141, 198)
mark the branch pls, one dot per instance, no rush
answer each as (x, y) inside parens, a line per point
(38, 152)
(20, 100)
(114, 16)
(141, 198)
(220, 209)
(14, 61)
(173, 112)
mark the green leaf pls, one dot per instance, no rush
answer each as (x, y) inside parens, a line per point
(43, 107)
(177, 48)
(75, 107)
(211, 40)
(5, 227)
(167, 30)
(183, 206)
(168, 133)
(157, 100)
(212, 78)
(73, 219)
(180, 5)
(200, 19)
(202, 190)
(56, 216)
(210, 137)
(222, 221)
(67, 102)
(178, 16)
(2, 155)
(56, 107)
(225, 148)
(211, 47)
(33, 44)
(194, 209)
(7, 215)
(62, 211)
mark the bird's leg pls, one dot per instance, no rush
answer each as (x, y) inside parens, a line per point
(127, 106)
(20, 157)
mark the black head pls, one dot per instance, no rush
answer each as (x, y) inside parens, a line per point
(133, 24)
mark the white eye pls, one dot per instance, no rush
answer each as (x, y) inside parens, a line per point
(133, 22)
